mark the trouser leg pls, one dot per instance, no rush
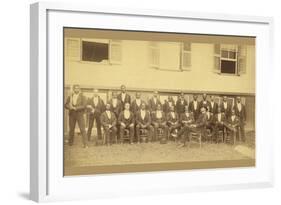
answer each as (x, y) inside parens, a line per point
(242, 129)
(98, 124)
(81, 124)
(122, 130)
(106, 134)
(156, 126)
(90, 126)
(138, 132)
(113, 133)
(72, 122)
(132, 133)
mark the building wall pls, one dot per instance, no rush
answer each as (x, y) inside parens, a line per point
(135, 72)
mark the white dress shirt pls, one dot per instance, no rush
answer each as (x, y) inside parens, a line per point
(96, 101)
(123, 95)
(143, 114)
(225, 105)
(127, 114)
(108, 114)
(158, 114)
(219, 117)
(74, 98)
(138, 102)
(173, 114)
(114, 102)
(239, 107)
(195, 104)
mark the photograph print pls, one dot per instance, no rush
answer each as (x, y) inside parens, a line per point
(141, 101)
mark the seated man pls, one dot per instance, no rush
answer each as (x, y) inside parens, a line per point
(197, 127)
(219, 121)
(159, 121)
(173, 121)
(108, 121)
(209, 123)
(143, 121)
(186, 119)
(232, 125)
(126, 121)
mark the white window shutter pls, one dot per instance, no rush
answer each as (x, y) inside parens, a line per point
(115, 52)
(154, 55)
(242, 56)
(186, 56)
(217, 58)
(73, 49)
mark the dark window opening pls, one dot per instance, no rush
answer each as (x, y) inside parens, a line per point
(228, 67)
(95, 52)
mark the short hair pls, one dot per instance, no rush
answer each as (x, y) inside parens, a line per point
(75, 85)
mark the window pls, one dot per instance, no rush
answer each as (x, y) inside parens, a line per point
(229, 59)
(170, 56)
(94, 51)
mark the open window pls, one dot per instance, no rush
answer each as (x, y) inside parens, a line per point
(229, 59)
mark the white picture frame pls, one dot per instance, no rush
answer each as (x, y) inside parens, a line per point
(46, 179)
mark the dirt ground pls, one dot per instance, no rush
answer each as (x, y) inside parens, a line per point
(116, 154)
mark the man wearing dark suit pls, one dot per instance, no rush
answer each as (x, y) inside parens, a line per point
(124, 97)
(209, 122)
(198, 126)
(240, 112)
(181, 104)
(168, 103)
(136, 104)
(194, 107)
(159, 121)
(173, 121)
(232, 125)
(96, 107)
(115, 104)
(213, 106)
(143, 121)
(226, 107)
(126, 121)
(76, 104)
(204, 103)
(108, 121)
(186, 119)
(153, 102)
(219, 121)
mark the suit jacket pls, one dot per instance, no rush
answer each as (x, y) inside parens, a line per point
(170, 118)
(234, 122)
(105, 121)
(128, 121)
(116, 109)
(166, 106)
(240, 114)
(80, 104)
(186, 120)
(226, 111)
(214, 109)
(152, 105)
(216, 118)
(180, 106)
(201, 121)
(99, 108)
(147, 119)
(126, 100)
(161, 120)
(204, 104)
(135, 107)
(196, 111)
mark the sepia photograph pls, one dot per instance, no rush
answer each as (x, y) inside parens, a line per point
(143, 101)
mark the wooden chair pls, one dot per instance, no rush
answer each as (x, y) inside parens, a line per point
(143, 135)
(126, 136)
(195, 137)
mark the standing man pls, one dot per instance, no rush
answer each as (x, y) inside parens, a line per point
(126, 121)
(136, 104)
(168, 104)
(96, 106)
(213, 105)
(124, 97)
(181, 104)
(115, 104)
(232, 125)
(153, 102)
(108, 121)
(143, 121)
(194, 107)
(76, 104)
(159, 121)
(226, 107)
(204, 103)
(240, 111)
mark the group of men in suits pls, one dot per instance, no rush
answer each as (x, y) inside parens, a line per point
(121, 115)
